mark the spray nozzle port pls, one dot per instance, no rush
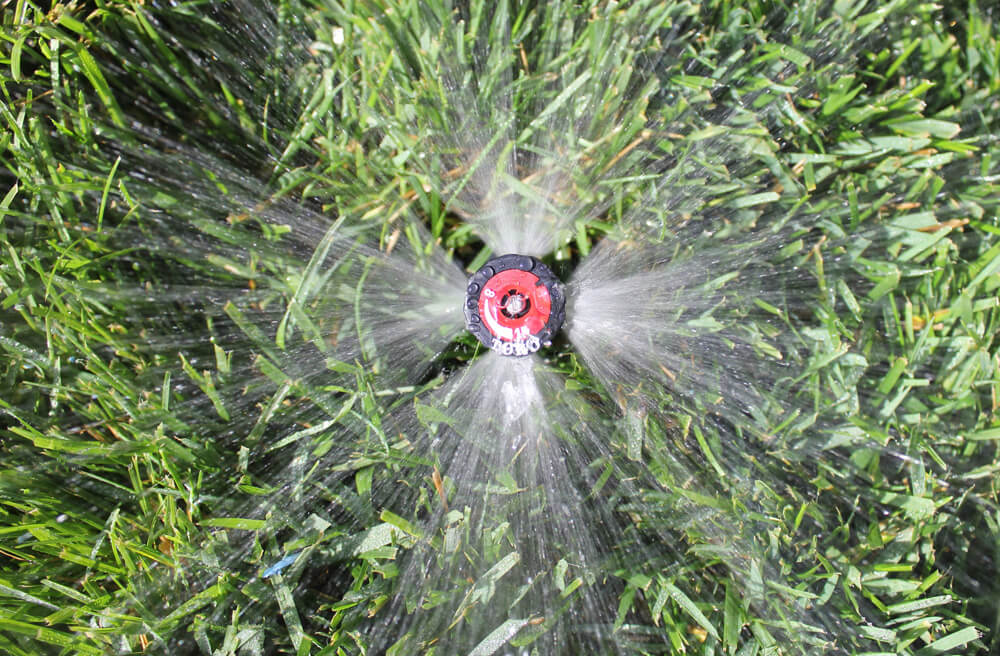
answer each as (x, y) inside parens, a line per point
(514, 304)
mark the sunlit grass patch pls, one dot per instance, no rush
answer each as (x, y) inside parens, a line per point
(215, 441)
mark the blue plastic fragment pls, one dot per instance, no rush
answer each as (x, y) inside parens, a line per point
(280, 565)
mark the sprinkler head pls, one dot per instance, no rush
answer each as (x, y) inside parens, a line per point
(514, 305)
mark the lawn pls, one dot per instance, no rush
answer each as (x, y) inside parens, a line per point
(240, 414)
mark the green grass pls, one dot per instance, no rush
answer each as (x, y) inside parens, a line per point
(151, 154)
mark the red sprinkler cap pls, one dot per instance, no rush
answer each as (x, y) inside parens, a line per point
(514, 305)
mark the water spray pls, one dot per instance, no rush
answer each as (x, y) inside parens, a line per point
(514, 305)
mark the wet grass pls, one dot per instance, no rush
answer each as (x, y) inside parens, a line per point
(152, 157)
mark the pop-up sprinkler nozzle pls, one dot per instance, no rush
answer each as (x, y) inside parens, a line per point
(514, 305)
